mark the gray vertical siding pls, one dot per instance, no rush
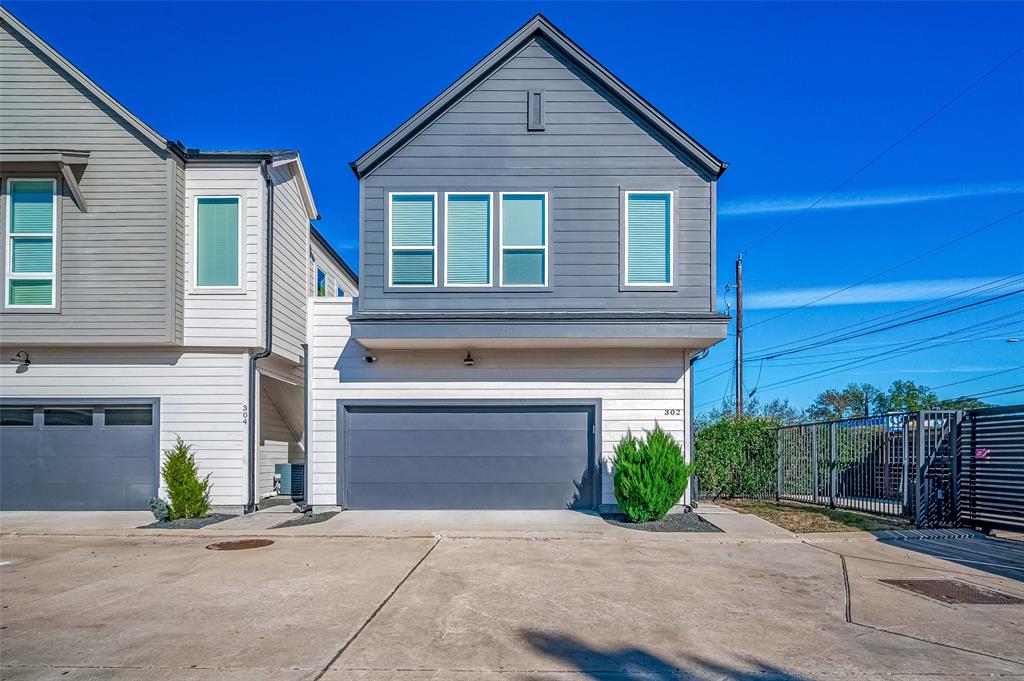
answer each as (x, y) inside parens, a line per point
(114, 258)
(591, 150)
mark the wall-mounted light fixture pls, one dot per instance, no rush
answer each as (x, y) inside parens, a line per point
(469, 361)
(20, 357)
(370, 359)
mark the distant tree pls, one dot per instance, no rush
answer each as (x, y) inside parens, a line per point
(963, 403)
(852, 401)
(778, 409)
(907, 396)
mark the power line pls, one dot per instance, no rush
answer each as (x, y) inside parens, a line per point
(891, 269)
(999, 392)
(885, 151)
(895, 325)
(978, 378)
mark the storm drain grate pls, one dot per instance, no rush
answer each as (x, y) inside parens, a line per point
(239, 544)
(954, 591)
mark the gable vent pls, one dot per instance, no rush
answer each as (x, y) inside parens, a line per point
(535, 110)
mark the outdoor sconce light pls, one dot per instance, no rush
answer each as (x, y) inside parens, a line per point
(20, 357)
(370, 359)
(469, 361)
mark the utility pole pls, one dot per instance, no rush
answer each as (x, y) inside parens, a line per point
(739, 335)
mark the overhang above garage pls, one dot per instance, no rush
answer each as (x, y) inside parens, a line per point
(380, 331)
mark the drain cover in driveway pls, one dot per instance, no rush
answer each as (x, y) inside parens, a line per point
(954, 591)
(239, 545)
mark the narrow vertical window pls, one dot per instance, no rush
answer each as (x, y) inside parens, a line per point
(467, 254)
(321, 283)
(217, 242)
(31, 238)
(535, 110)
(648, 238)
(341, 293)
(524, 239)
(412, 235)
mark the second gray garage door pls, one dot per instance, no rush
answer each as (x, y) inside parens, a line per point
(78, 456)
(441, 457)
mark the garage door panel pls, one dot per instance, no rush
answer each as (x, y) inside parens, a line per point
(78, 467)
(438, 456)
(467, 469)
(457, 442)
(412, 496)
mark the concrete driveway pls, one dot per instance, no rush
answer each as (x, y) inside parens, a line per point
(501, 604)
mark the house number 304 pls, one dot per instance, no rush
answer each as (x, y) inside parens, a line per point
(245, 413)
(673, 412)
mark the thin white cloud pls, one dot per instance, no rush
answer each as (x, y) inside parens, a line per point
(864, 199)
(893, 292)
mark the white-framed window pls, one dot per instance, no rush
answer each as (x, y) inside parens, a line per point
(524, 238)
(30, 277)
(468, 217)
(217, 242)
(649, 238)
(412, 239)
(321, 283)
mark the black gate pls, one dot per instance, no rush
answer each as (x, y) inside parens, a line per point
(991, 463)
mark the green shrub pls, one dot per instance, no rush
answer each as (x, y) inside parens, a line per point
(190, 496)
(161, 511)
(650, 475)
(737, 457)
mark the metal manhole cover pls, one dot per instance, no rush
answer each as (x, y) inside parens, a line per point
(239, 544)
(954, 591)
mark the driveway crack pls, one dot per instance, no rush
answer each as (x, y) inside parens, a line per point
(353, 637)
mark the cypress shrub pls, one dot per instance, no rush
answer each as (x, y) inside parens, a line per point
(650, 475)
(190, 495)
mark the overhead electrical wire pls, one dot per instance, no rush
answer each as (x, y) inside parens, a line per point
(877, 157)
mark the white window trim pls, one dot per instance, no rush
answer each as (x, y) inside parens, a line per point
(240, 287)
(544, 247)
(392, 248)
(10, 236)
(316, 283)
(490, 239)
(671, 237)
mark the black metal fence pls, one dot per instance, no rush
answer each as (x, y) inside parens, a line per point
(990, 491)
(896, 464)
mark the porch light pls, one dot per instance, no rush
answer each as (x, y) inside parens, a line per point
(469, 361)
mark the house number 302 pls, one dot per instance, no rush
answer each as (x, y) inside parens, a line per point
(673, 412)
(245, 413)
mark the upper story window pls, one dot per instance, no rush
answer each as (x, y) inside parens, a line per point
(321, 283)
(341, 293)
(217, 242)
(467, 249)
(648, 238)
(31, 243)
(524, 239)
(412, 239)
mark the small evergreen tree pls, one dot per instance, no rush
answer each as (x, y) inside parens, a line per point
(650, 475)
(190, 496)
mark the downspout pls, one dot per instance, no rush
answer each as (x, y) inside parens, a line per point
(694, 483)
(305, 508)
(268, 336)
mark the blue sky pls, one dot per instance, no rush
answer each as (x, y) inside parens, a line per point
(794, 96)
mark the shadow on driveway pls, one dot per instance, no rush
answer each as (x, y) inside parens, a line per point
(1002, 557)
(636, 663)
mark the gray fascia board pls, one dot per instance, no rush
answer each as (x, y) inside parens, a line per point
(67, 156)
(320, 239)
(539, 26)
(681, 330)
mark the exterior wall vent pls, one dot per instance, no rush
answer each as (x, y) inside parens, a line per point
(535, 110)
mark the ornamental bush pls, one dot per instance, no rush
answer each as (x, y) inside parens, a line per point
(190, 495)
(650, 475)
(737, 457)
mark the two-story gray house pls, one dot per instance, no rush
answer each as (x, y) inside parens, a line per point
(149, 291)
(538, 275)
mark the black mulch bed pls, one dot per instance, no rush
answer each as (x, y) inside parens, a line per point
(188, 523)
(673, 522)
(304, 519)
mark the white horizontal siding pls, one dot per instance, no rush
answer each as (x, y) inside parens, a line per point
(277, 443)
(201, 397)
(226, 319)
(291, 239)
(336, 277)
(635, 387)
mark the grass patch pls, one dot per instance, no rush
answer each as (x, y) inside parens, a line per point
(801, 518)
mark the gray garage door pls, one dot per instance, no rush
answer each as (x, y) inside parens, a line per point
(436, 457)
(83, 457)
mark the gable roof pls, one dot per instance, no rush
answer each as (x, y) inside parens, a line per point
(74, 74)
(538, 27)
